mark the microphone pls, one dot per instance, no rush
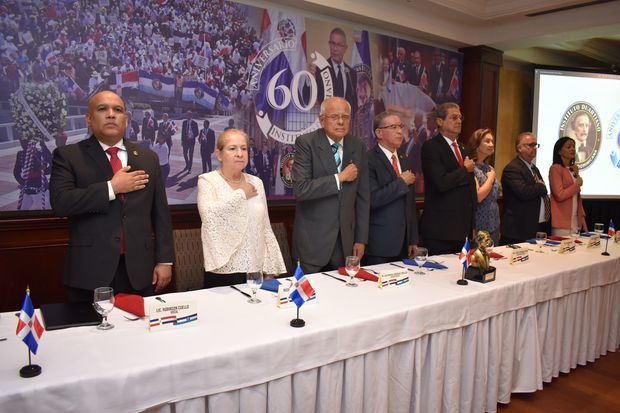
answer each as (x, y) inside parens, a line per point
(573, 169)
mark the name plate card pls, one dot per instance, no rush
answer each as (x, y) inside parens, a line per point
(594, 241)
(283, 300)
(567, 245)
(519, 256)
(170, 316)
(393, 278)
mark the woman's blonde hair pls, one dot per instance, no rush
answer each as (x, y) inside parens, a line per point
(221, 140)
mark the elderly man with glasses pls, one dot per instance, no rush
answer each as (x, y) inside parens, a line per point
(526, 203)
(330, 180)
(393, 230)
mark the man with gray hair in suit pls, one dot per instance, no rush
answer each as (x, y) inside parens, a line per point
(330, 180)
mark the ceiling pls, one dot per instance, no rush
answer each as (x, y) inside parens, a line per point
(571, 33)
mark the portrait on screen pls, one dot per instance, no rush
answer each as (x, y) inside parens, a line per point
(581, 123)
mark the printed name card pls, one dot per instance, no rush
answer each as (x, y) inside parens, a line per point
(567, 245)
(169, 316)
(393, 278)
(594, 241)
(519, 256)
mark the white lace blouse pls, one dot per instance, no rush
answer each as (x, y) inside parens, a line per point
(236, 234)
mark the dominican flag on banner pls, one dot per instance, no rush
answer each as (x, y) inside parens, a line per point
(75, 89)
(464, 256)
(156, 84)
(199, 93)
(303, 290)
(612, 230)
(274, 26)
(29, 329)
(127, 80)
(455, 87)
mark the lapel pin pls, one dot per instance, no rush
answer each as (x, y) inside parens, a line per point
(135, 153)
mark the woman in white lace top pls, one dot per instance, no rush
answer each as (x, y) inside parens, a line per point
(236, 233)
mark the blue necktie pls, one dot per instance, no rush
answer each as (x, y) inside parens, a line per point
(335, 148)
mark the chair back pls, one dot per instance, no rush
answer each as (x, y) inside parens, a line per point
(188, 267)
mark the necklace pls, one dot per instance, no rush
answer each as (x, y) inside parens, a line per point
(232, 181)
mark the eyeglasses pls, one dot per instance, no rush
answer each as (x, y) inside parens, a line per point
(340, 45)
(336, 117)
(393, 127)
(531, 145)
(457, 117)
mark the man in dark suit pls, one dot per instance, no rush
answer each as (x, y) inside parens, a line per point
(393, 230)
(207, 145)
(417, 72)
(449, 185)
(112, 192)
(149, 127)
(526, 203)
(189, 133)
(131, 133)
(439, 78)
(401, 67)
(343, 76)
(330, 180)
(263, 161)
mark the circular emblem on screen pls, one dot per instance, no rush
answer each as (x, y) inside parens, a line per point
(286, 169)
(199, 93)
(612, 138)
(582, 123)
(156, 84)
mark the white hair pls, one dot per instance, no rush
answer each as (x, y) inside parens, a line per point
(324, 104)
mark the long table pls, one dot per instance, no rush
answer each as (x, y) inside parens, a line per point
(433, 346)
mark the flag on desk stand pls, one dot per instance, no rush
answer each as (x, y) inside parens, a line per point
(302, 293)
(611, 232)
(464, 258)
(30, 330)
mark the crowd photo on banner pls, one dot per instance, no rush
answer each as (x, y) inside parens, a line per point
(189, 70)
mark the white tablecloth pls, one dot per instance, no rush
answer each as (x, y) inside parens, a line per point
(433, 346)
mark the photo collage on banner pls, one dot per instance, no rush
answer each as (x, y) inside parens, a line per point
(188, 71)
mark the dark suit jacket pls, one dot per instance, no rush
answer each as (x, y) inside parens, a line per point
(521, 201)
(392, 206)
(207, 140)
(351, 85)
(449, 192)
(435, 75)
(322, 211)
(149, 132)
(79, 191)
(185, 129)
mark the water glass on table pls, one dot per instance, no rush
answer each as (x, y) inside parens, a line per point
(352, 267)
(103, 302)
(541, 238)
(420, 255)
(254, 280)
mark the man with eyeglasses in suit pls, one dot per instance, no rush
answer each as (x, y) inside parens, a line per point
(449, 185)
(393, 229)
(526, 203)
(330, 181)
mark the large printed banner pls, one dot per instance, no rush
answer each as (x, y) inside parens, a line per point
(217, 63)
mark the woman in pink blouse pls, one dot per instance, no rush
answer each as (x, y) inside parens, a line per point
(567, 213)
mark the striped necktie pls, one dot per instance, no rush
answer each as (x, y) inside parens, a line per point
(335, 147)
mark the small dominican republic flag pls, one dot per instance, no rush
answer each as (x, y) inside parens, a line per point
(464, 255)
(29, 329)
(611, 231)
(303, 290)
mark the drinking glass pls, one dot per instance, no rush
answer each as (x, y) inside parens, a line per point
(575, 233)
(255, 280)
(103, 302)
(599, 228)
(352, 266)
(541, 238)
(420, 255)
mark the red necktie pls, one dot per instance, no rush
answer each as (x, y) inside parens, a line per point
(395, 165)
(458, 153)
(116, 164)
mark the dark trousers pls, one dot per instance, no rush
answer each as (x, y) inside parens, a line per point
(368, 259)
(165, 171)
(335, 261)
(206, 160)
(188, 153)
(542, 226)
(440, 246)
(212, 280)
(120, 283)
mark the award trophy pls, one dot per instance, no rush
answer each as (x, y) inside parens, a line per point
(479, 268)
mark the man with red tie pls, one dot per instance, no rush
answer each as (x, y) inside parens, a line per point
(449, 185)
(393, 229)
(112, 193)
